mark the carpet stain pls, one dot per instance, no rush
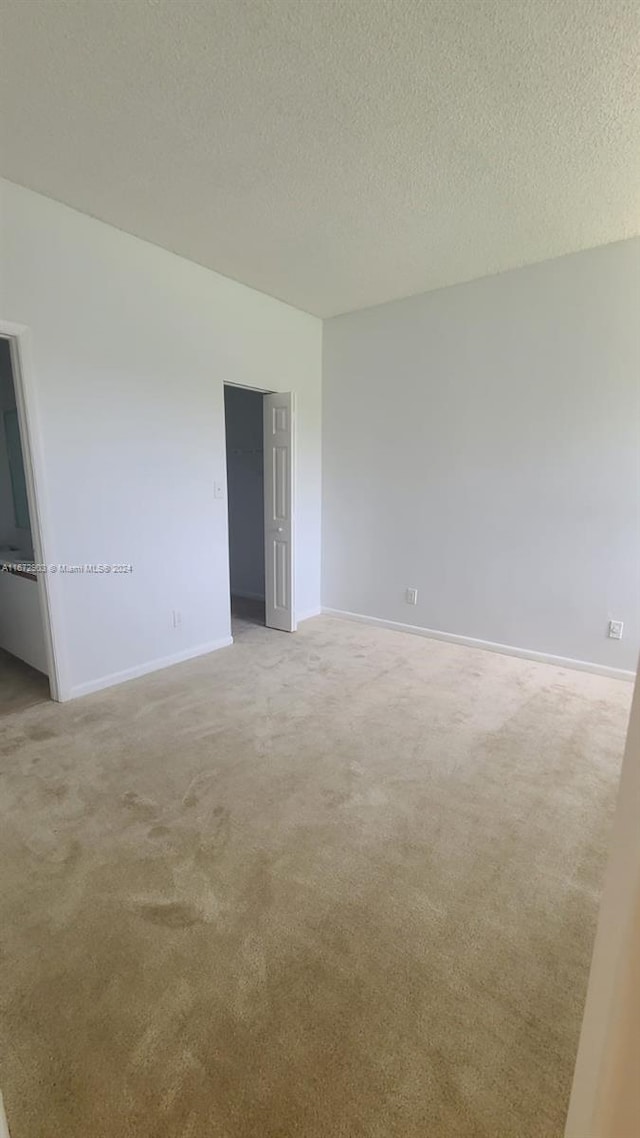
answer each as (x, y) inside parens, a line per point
(142, 808)
(171, 914)
(159, 831)
(40, 734)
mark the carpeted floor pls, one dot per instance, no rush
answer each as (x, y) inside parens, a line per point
(20, 686)
(341, 884)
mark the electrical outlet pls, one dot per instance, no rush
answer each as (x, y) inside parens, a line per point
(411, 596)
(615, 629)
(176, 618)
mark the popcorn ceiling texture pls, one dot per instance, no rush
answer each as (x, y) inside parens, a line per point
(333, 153)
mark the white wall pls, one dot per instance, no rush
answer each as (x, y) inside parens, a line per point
(131, 346)
(245, 490)
(481, 443)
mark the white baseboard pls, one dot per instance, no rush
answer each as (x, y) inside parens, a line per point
(488, 645)
(144, 669)
(308, 614)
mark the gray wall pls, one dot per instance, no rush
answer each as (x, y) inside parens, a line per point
(481, 443)
(245, 489)
(7, 519)
(10, 534)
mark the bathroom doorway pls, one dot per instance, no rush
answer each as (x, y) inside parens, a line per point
(244, 410)
(26, 660)
(260, 438)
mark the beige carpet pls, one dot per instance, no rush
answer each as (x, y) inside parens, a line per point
(20, 686)
(332, 885)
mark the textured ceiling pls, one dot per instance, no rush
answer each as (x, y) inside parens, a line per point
(333, 153)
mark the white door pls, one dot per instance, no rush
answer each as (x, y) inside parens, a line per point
(278, 511)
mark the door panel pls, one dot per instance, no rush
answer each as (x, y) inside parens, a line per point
(279, 510)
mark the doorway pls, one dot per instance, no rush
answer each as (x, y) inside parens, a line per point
(243, 412)
(25, 670)
(259, 434)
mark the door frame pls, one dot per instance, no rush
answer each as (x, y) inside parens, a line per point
(605, 1096)
(18, 336)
